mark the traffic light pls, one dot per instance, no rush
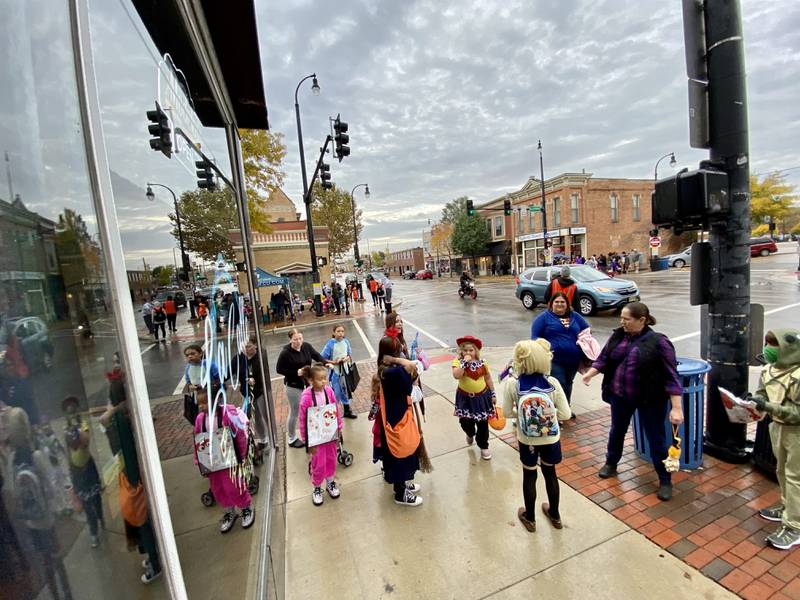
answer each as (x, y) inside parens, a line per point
(359, 263)
(322, 261)
(183, 274)
(470, 208)
(341, 138)
(205, 175)
(507, 207)
(160, 130)
(325, 176)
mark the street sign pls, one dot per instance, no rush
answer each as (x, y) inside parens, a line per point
(187, 286)
(655, 242)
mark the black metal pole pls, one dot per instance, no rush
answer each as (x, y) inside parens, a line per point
(729, 304)
(544, 206)
(306, 197)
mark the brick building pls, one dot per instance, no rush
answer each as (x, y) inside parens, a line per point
(411, 259)
(141, 284)
(585, 215)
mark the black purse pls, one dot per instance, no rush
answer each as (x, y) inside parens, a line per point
(352, 379)
(190, 409)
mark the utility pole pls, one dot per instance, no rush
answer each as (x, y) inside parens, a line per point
(544, 206)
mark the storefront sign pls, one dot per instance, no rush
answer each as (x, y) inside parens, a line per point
(538, 236)
(562, 232)
(577, 230)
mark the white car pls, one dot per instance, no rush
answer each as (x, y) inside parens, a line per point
(681, 259)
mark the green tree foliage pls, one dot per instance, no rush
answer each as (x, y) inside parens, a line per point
(263, 153)
(454, 209)
(770, 197)
(164, 275)
(206, 219)
(78, 253)
(378, 258)
(470, 235)
(334, 209)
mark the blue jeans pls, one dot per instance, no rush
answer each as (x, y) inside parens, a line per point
(565, 376)
(652, 417)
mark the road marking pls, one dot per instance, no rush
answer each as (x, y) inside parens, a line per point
(426, 334)
(153, 345)
(680, 338)
(372, 353)
(179, 388)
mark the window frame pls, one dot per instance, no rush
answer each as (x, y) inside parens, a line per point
(636, 201)
(574, 208)
(614, 201)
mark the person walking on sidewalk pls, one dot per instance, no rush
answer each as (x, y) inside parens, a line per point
(537, 402)
(373, 290)
(475, 395)
(565, 284)
(147, 315)
(561, 326)
(294, 356)
(252, 387)
(172, 314)
(778, 395)
(340, 353)
(387, 290)
(639, 373)
(159, 321)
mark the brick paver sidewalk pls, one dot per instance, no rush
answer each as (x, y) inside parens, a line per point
(710, 523)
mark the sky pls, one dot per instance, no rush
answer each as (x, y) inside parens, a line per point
(449, 99)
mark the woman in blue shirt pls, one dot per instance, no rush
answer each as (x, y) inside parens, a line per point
(560, 326)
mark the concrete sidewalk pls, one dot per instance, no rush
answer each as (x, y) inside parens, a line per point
(465, 540)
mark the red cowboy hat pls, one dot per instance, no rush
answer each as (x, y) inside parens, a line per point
(469, 339)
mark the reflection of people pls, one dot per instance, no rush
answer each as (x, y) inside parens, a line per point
(253, 388)
(147, 315)
(172, 314)
(17, 391)
(159, 321)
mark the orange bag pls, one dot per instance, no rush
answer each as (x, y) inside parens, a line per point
(132, 501)
(403, 438)
(498, 420)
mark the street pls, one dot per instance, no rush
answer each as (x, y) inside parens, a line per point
(434, 309)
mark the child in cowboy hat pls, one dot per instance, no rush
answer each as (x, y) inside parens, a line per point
(475, 395)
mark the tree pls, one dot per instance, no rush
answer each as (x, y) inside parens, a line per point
(442, 241)
(378, 258)
(263, 153)
(762, 229)
(206, 219)
(334, 209)
(454, 209)
(470, 235)
(770, 198)
(164, 275)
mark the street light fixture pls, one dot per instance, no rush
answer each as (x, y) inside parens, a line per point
(315, 86)
(672, 163)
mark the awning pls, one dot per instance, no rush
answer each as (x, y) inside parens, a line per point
(268, 279)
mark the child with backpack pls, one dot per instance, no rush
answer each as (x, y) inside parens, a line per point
(538, 403)
(159, 317)
(475, 395)
(82, 468)
(220, 452)
(380, 292)
(320, 424)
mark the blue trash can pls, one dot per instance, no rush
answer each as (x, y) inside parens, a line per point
(659, 264)
(691, 372)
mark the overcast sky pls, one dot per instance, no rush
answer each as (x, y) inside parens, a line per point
(449, 99)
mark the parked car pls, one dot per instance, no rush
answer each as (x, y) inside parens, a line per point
(37, 349)
(424, 274)
(680, 259)
(177, 295)
(763, 246)
(596, 290)
(409, 275)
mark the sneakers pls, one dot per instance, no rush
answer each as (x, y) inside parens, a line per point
(297, 443)
(527, 523)
(150, 575)
(664, 492)
(412, 487)
(146, 564)
(348, 412)
(316, 496)
(485, 454)
(333, 490)
(607, 471)
(470, 440)
(95, 541)
(409, 499)
(774, 513)
(228, 519)
(248, 517)
(784, 538)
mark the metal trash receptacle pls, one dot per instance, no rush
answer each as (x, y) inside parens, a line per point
(659, 264)
(692, 373)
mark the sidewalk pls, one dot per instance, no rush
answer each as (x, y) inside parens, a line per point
(465, 540)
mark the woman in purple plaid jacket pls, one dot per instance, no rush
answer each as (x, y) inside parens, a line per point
(639, 373)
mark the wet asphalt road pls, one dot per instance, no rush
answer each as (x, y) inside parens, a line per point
(434, 309)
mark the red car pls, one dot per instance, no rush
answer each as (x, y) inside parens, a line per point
(424, 274)
(762, 246)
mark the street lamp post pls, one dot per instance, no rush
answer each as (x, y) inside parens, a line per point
(185, 263)
(544, 206)
(309, 225)
(672, 163)
(356, 254)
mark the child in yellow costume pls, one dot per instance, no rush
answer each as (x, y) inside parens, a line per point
(778, 395)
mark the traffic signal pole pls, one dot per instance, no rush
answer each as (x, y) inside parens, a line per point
(729, 292)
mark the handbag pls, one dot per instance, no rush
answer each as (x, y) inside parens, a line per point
(403, 438)
(352, 379)
(215, 450)
(190, 409)
(132, 501)
(322, 422)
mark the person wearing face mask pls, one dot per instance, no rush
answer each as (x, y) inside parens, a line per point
(640, 373)
(778, 395)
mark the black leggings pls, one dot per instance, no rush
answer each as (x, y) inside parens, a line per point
(399, 490)
(171, 321)
(529, 477)
(477, 429)
(163, 330)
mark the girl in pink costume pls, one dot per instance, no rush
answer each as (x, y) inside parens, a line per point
(228, 485)
(323, 456)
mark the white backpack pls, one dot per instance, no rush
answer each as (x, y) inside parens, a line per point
(536, 413)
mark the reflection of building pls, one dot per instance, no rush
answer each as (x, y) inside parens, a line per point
(411, 259)
(30, 283)
(585, 216)
(141, 285)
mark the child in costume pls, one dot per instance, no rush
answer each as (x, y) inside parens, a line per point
(475, 395)
(228, 485)
(323, 456)
(778, 395)
(339, 352)
(538, 403)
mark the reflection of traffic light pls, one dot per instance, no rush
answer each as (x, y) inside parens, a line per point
(325, 176)
(470, 208)
(359, 263)
(341, 138)
(205, 177)
(160, 130)
(507, 207)
(183, 274)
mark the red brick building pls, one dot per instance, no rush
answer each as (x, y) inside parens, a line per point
(411, 259)
(585, 216)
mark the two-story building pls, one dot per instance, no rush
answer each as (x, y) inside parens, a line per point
(400, 261)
